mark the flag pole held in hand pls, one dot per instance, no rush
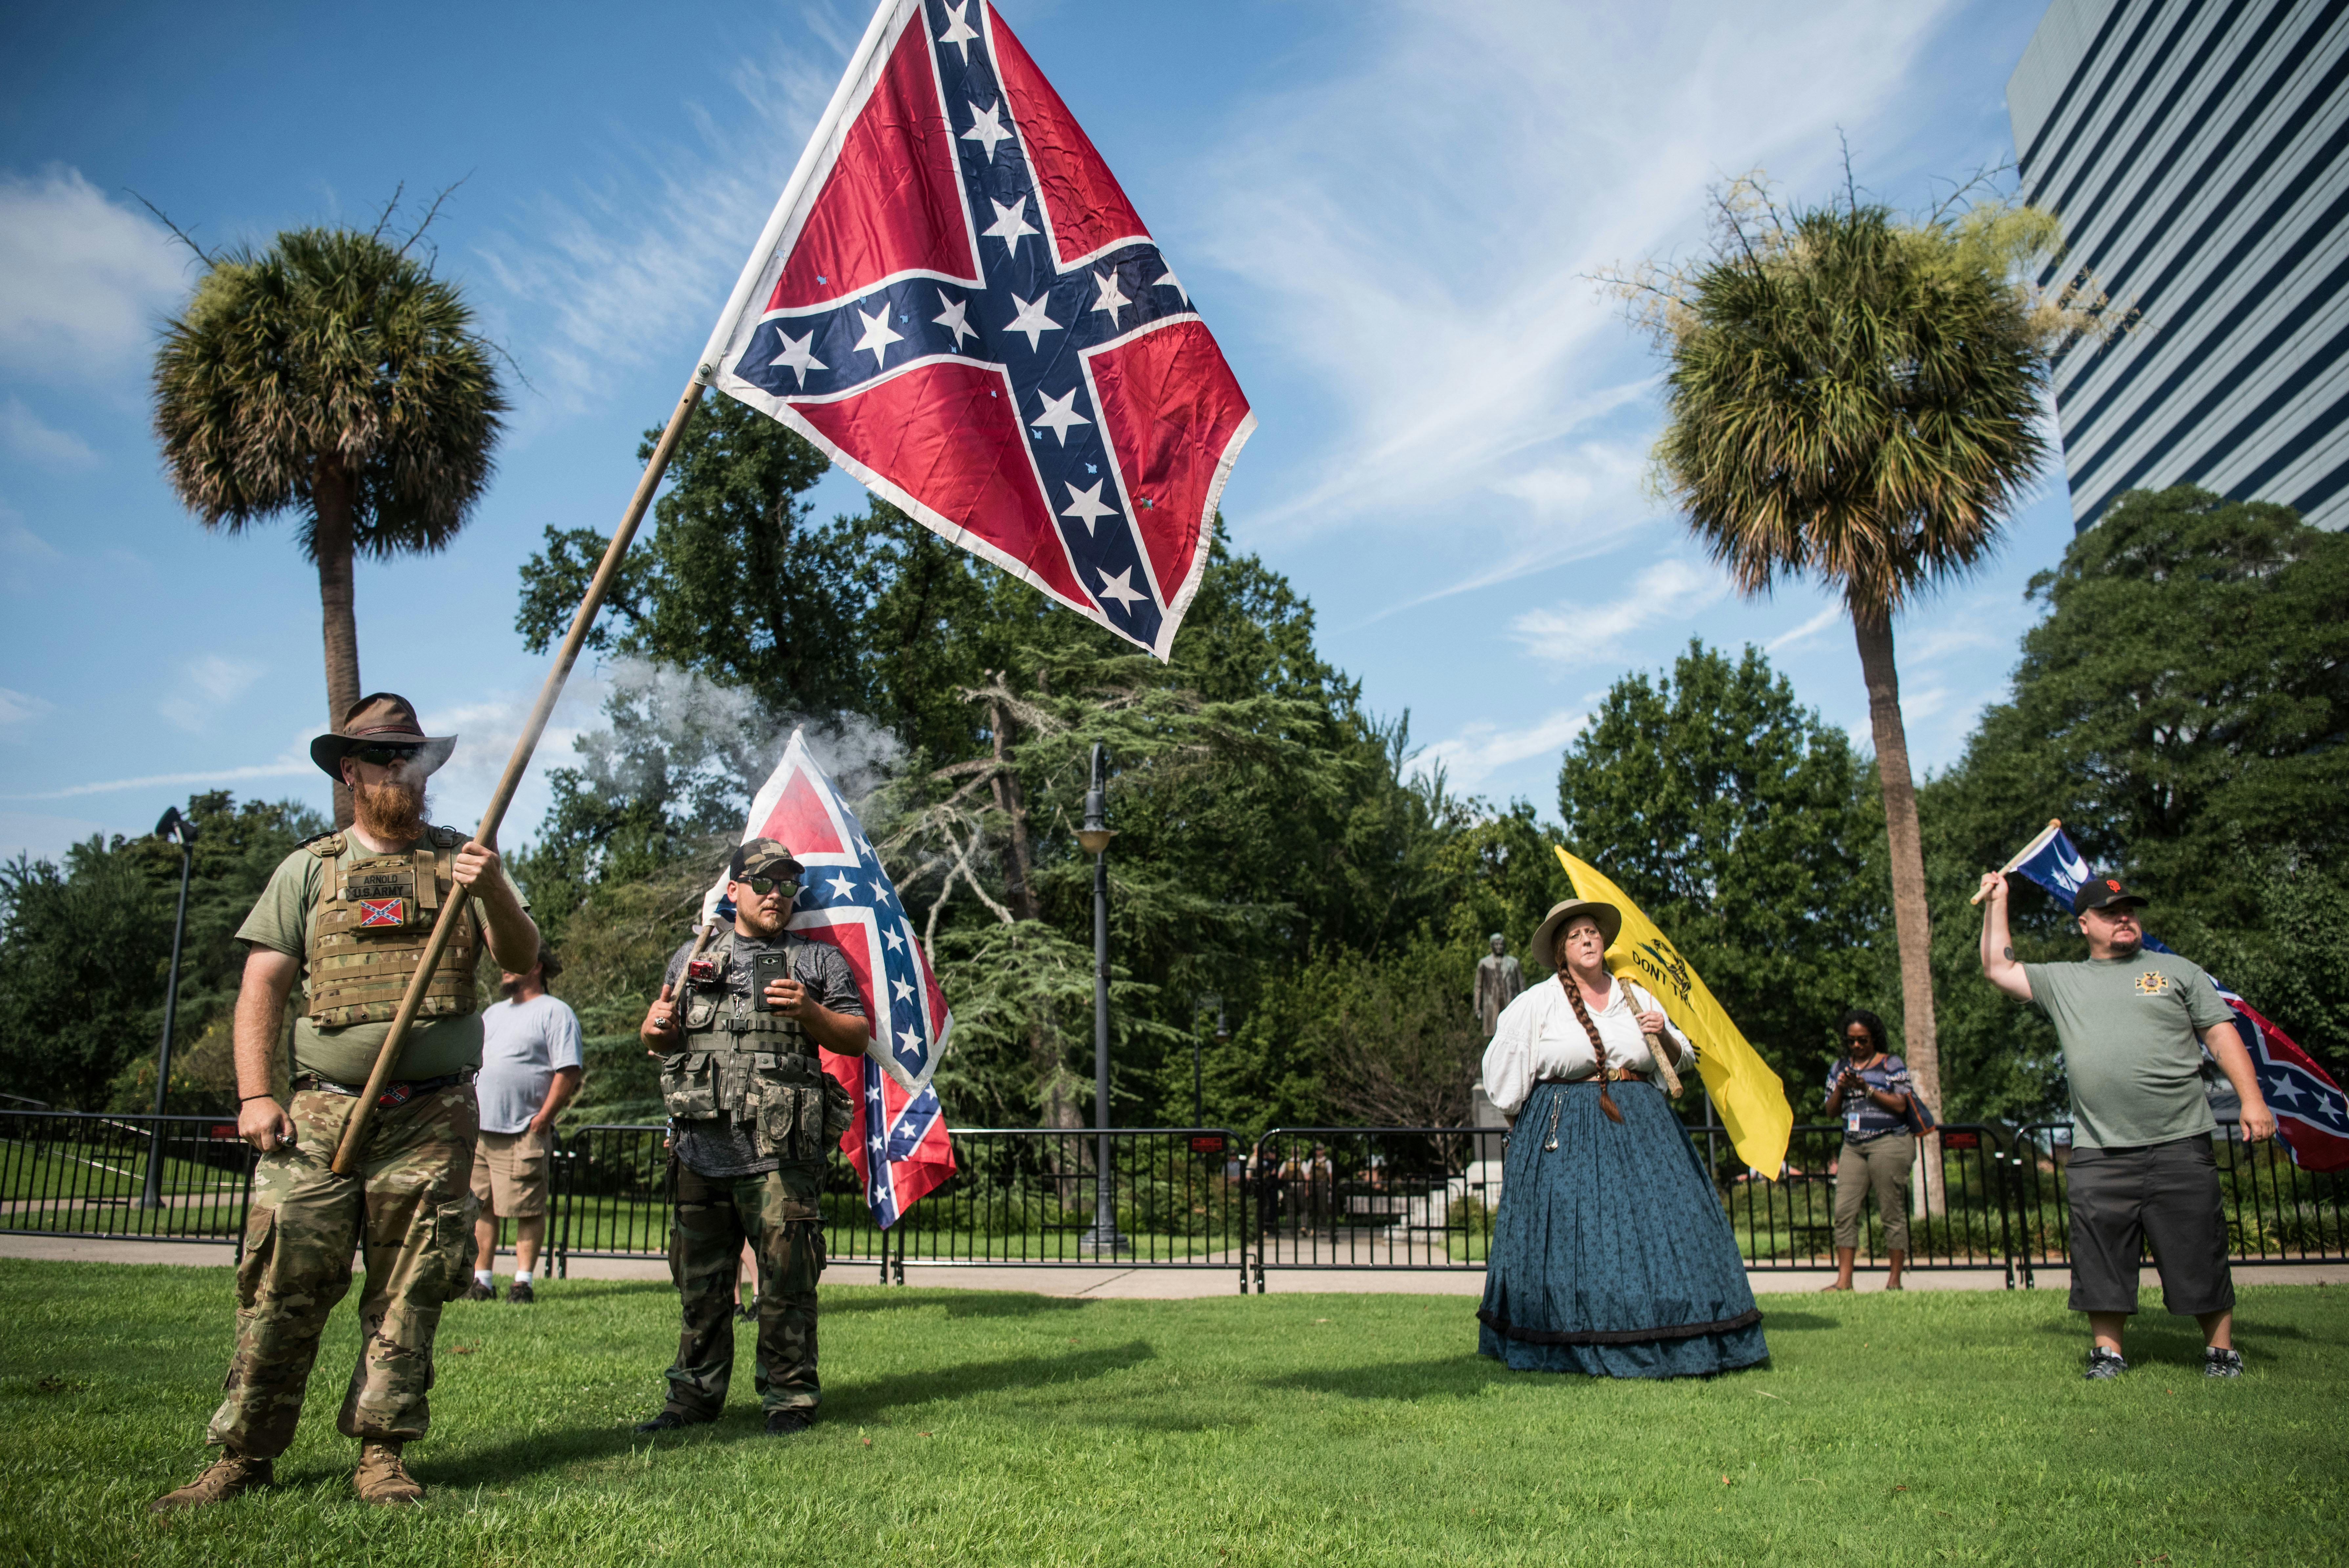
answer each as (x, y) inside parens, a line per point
(2055, 825)
(445, 927)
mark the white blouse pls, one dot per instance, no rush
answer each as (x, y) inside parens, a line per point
(1539, 1036)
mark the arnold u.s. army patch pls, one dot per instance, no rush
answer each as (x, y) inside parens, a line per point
(2152, 982)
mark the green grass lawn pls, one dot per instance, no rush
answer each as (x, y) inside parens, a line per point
(969, 1427)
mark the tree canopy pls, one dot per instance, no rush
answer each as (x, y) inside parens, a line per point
(2183, 706)
(1742, 823)
(85, 948)
(331, 375)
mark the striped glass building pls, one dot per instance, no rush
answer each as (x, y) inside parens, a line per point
(2198, 153)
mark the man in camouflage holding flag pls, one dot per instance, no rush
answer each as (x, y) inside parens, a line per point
(349, 915)
(752, 1115)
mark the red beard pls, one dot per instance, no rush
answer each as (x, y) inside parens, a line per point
(391, 811)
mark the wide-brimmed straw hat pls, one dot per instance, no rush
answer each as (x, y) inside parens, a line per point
(379, 719)
(1543, 950)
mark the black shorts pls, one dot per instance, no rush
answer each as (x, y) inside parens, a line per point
(2165, 1193)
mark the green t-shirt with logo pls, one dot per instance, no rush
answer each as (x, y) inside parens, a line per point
(2127, 1025)
(281, 922)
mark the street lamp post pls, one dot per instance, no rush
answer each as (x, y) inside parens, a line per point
(1095, 835)
(178, 828)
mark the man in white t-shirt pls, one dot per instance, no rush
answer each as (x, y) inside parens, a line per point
(529, 1069)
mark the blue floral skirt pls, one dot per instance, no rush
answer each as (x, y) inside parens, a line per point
(1612, 1255)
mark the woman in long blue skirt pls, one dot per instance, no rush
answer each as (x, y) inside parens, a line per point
(1612, 1255)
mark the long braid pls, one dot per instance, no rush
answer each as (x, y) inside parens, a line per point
(1598, 1046)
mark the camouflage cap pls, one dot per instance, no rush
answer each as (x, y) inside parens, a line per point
(762, 858)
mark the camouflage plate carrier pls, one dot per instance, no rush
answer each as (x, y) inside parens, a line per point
(371, 926)
(752, 1067)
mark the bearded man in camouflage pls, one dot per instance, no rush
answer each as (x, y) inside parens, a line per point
(348, 914)
(753, 1117)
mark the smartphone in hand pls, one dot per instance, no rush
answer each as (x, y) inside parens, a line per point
(766, 969)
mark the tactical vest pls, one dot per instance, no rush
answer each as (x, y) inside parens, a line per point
(370, 925)
(753, 1068)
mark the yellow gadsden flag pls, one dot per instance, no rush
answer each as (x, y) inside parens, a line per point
(1749, 1096)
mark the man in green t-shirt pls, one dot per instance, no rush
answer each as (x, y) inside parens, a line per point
(347, 915)
(2142, 1167)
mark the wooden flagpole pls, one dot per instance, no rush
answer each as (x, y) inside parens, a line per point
(2023, 854)
(445, 927)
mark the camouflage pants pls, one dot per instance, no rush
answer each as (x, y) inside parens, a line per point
(713, 1216)
(410, 1206)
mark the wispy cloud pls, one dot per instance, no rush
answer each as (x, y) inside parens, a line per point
(25, 433)
(1667, 591)
(22, 543)
(205, 685)
(284, 766)
(641, 259)
(17, 707)
(1941, 640)
(81, 277)
(1481, 750)
(1804, 632)
(1412, 235)
(23, 553)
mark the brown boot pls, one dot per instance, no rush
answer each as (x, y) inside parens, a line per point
(224, 1479)
(381, 1478)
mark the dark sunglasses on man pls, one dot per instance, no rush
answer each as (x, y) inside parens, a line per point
(380, 755)
(761, 886)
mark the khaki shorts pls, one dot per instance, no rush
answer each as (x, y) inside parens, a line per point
(510, 1174)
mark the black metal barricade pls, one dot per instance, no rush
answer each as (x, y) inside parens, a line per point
(1196, 1198)
(1019, 1197)
(81, 1173)
(1424, 1198)
(2276, 1212)
(1373, 1197)
(1789, 1223)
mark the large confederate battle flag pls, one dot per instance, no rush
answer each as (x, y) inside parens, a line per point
(898, 1143)
(957, 304)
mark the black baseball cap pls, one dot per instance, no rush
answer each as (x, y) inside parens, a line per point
(2103, 893)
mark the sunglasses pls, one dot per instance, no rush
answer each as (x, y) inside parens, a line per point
(761, 886)
(382, 757)
(1859, 1039)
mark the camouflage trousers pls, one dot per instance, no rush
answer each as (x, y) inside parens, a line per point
(713, 1216)
(410, 1206)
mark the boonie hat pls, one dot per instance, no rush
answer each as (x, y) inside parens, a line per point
(379, 719)
(2103, 893)
(762, 857)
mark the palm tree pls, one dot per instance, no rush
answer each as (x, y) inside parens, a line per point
(1857, 399)
(334, 374)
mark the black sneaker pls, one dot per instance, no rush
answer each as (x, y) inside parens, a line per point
(2103, 1363)
(2222, 1363)
(479, 1290)
(748, 1311)
(520, 1293)
(783, 1423)
(670, 1420)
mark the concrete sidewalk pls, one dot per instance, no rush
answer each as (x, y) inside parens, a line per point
(1162, 1285)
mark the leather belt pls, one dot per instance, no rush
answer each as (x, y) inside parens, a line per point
(395, 1094)
(1614, 1076)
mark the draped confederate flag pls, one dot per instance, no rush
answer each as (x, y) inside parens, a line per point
(955, 300)
(898, 1143)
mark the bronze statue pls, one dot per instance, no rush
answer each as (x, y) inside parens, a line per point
(1498, 981)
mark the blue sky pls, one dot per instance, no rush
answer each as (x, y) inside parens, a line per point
(1387, 212)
